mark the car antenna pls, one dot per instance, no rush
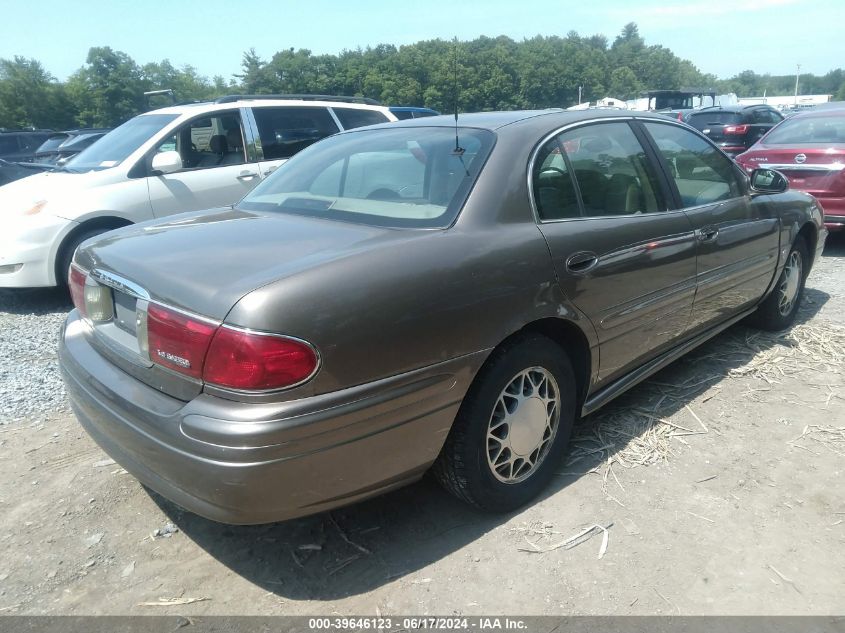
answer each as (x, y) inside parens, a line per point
(458, 149)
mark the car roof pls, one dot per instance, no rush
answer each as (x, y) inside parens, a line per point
(731, 108)
(211, 106)
(23, 132)
(540, 118)
(410, 109)
(819, 114)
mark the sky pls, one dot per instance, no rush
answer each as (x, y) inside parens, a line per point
(723, 37)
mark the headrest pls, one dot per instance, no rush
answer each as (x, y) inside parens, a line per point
(218, 144)
(233, 138)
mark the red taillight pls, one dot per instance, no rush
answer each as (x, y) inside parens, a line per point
(178, 341)
(735, 129)
(76, 283)
(239, 359)
(225, 356)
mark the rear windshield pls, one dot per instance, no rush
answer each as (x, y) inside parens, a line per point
(393, 177)
(814, 129)
(118, 144)
(701, 120)
(82, 140)
(53, 142)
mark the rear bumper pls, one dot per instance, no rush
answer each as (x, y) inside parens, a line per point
(834, 212)
(257, 463)
(820, 242)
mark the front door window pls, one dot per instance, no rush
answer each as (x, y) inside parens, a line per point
(206, 142)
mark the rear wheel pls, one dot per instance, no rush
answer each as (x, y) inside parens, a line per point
(513, 426)
(778, 311)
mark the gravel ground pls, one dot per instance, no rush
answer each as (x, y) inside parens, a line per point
(731, 505)
(30, 382)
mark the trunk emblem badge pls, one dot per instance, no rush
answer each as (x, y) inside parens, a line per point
(800, 158)
(173, 358)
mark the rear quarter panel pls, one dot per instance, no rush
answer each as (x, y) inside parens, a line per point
(445, 294)
(795, 210)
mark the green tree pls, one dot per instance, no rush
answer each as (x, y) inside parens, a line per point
(31, 97)
(624, 84)
(108, 90)
(254, 78)
(186, 83)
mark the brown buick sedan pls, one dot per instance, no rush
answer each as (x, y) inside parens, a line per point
(418, 296)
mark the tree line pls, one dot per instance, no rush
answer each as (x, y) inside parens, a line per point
(483, 74)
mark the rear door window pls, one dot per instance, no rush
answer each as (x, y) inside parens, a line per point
(353, 117)
(762, 117)
(285, 131)
(611, 169)
(702, 174)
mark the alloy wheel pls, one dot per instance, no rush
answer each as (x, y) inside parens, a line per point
(523, 425)
(790, 283)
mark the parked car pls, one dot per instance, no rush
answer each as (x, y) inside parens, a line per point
(809, 149)
(412, 112)
(179, 158)
(734, 128)
(20, 145)
(13, 171)
(16, 171)
(419, 296)
(59, 147)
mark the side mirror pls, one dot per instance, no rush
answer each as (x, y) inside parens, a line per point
(768, 181)
(166, 162)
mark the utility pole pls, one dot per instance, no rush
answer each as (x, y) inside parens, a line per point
(797, 74)
(579, 94)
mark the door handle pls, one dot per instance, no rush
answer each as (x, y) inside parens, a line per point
(708, 234)
(581, 262)
(247, 175)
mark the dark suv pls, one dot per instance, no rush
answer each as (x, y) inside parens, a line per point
(61, 146)
(734, 128)
(21, 145)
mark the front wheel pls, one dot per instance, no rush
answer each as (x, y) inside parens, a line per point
(513, 426)
(66, 255)
(778, 311)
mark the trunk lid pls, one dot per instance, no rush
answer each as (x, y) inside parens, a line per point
(205, 262)
(819, 170)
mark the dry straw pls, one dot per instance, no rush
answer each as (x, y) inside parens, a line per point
(632, 436)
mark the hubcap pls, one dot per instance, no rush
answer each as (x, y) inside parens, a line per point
(523, 425)
(790, 282)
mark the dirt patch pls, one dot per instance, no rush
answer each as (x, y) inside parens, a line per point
(713, 488)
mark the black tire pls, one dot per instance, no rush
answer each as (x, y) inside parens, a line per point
(66, 255)
(464, 467)
(772, 314)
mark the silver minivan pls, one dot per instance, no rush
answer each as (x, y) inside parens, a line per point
(175, 159)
